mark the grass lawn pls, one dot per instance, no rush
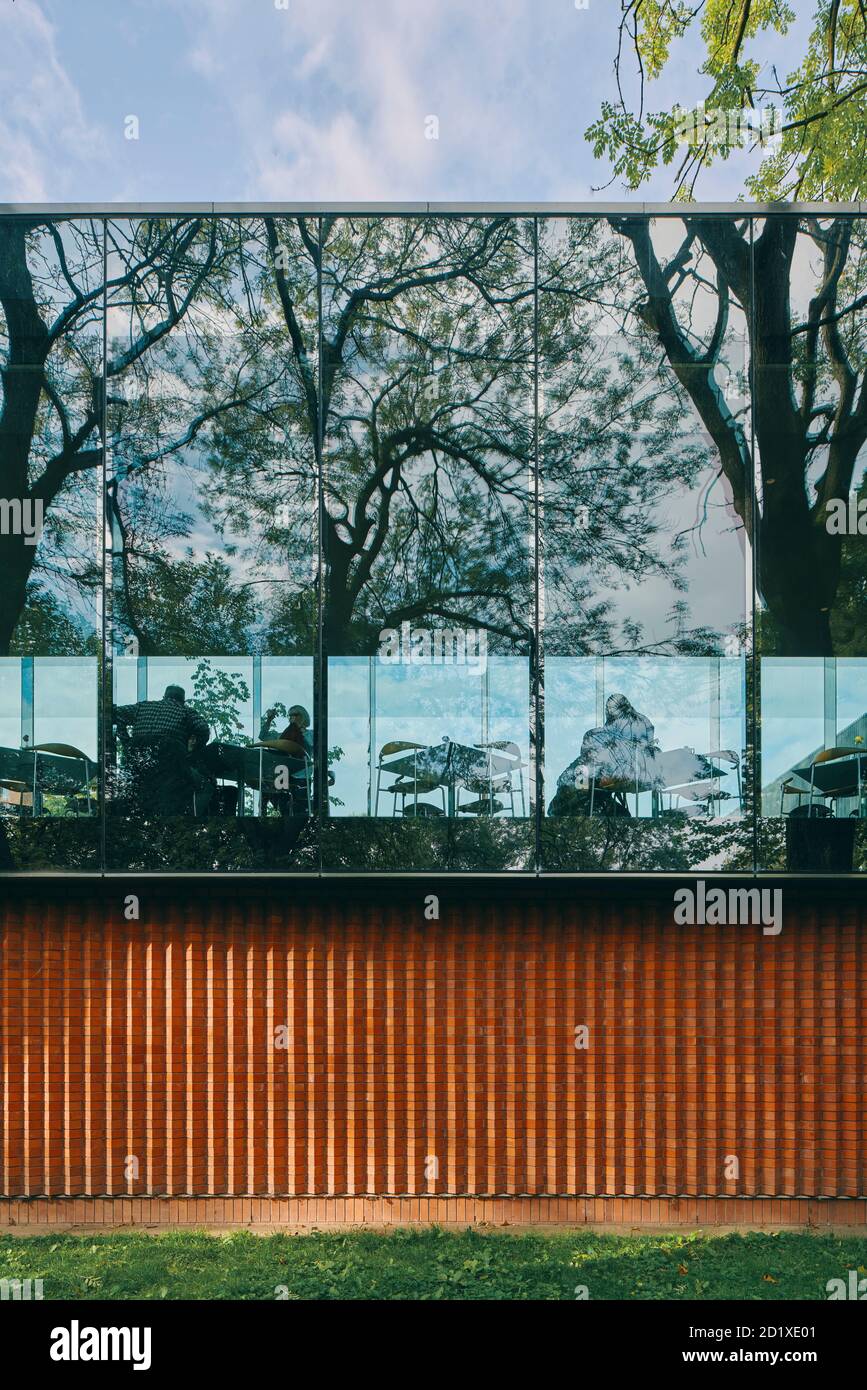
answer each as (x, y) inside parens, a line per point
(433, 1264)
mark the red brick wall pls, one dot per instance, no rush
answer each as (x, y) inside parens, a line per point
(411, 1040)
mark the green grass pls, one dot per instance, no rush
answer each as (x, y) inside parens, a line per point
(433, 1264)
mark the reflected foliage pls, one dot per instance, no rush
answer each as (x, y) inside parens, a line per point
(571, 436)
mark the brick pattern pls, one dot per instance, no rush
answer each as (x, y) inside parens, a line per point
(316, 1213)
(426, 1058)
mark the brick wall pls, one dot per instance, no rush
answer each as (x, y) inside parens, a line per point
(408, 1043)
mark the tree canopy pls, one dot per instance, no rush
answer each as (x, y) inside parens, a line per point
(814, 148)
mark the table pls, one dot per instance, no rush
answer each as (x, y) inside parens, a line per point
(690, 775)
(42, 772)
(845, 777)
(249, 767)
(451, 763)
(676, 771)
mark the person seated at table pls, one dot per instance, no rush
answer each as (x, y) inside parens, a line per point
(614, 760)
(293, 801)
(296, 731)
(160, 740)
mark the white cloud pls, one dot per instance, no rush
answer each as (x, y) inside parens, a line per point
(329, 99)
(45, 136)
(204, 61)
(314, 58)
(308, 160)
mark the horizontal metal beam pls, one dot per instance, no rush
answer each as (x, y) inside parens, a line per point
(528, 209)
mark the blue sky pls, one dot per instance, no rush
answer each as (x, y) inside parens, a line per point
(320, 100)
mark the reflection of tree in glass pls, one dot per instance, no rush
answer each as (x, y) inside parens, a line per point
(53, 379)
(216, 696)
(202, 434)
(617, 441)
(809, 393)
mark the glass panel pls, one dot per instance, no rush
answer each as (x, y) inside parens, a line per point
(811, 431)
(645, 505)
(701, 401)
(213, 546)
(51, 371)
(429, 597)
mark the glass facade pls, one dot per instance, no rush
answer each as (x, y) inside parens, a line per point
(472, 542)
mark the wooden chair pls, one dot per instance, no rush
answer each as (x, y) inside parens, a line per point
(15, 795)
(404, 786)
(829, 755)
(788, 789)
(290, 749)
(488, 787)
(64, 750)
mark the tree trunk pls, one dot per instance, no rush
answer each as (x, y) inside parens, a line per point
(22, 387)
(798, 562)
(16, 565)
(798, 568)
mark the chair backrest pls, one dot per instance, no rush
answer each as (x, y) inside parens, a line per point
(506, 746)
(788, 788)
(398, 747)
(727, 754)
(62, 750)
(829, 754)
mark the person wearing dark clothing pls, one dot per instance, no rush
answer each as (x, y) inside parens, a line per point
(619, 757)
(293, 801)
(160, 739)
(296, 731)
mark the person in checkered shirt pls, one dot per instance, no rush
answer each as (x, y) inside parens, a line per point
(159, 737)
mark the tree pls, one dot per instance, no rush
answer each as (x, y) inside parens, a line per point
(809, 393)
(808, 420)
(420, 419)
(211, 445)
(813, 133)
(54, 379)
(416, 405)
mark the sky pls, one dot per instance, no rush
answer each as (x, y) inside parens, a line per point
(321, 100)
